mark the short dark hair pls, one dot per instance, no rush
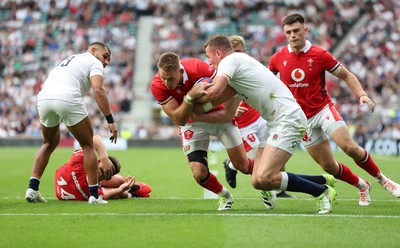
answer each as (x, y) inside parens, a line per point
(293, 18)
(219, 41)
(115, 162)
(103, 45)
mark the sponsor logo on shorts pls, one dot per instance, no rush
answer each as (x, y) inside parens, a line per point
(275, 136)
(294, 144)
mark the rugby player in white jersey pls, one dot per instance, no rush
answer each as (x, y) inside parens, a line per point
(61, 99)
(286, 121)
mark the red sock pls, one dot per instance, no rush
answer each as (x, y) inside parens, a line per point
(368, 164)
(251, 166)
(211, 183)
(345, 174)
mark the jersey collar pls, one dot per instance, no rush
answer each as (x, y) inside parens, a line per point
(304, 49)
(185, 75)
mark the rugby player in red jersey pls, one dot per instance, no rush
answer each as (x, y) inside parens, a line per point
(302, 67)
(71, 181)
(175, 87)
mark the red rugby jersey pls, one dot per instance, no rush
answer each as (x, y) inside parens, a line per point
(304, 74)
(248, 117)
(70, 181)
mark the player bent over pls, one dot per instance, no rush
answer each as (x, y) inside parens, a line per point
(175, 89)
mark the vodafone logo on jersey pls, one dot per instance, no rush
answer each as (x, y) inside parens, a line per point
(298, 75)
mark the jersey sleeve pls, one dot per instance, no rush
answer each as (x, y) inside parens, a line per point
(329, 62)
(272, 65)
(227, 67)
(96, 67)
(206, 70)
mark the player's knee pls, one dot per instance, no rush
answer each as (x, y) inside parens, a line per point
(262, 182)
(198, 156)
(198, 164)
(330, 167)
(351, 149)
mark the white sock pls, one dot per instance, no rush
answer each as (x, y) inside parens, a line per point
(361, 183)
(381, 181)
(230, 165)
(224, 192)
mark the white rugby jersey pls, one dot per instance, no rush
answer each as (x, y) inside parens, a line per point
(258, 86)
(70, 79)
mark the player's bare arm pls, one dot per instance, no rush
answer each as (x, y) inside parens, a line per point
(355, 87)
(100, 96)
(180, 114)
(205, 103)
(106, 167)
(222, 115)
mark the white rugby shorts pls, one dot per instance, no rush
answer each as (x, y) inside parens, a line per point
(286, 132)
(253, 133)
(196, 136)
(52, 112)
(321, 126)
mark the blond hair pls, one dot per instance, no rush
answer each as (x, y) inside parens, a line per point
(238, 43)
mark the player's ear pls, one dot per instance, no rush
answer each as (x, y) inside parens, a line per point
(93, 49)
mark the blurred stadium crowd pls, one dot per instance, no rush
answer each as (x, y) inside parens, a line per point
(35, 35)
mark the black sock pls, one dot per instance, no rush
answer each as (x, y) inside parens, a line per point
(316, 179)
(34, 183)
(94, 190)
(299, 184)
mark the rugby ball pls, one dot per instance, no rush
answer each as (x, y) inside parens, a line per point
(204, 79)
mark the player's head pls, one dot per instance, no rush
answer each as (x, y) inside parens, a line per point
(217, 47)
(101, 51)
(116, 169)
(169, 66)
(238, 43)
(117, 165)
(295, 29)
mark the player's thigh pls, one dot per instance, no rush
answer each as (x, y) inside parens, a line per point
(342, 137)
(229, 135)
(83, 132)
(270, 162)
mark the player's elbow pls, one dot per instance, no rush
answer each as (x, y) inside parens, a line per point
(100, 91)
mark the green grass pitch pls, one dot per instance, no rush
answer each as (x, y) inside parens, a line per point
(179, 214)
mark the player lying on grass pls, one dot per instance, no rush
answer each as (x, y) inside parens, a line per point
(71, 180)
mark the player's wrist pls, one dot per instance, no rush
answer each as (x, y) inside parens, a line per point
(187, 98)
(110, 119)
(362, 94)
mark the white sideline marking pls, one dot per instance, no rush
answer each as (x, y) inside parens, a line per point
(241, 198)
(206, 214)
